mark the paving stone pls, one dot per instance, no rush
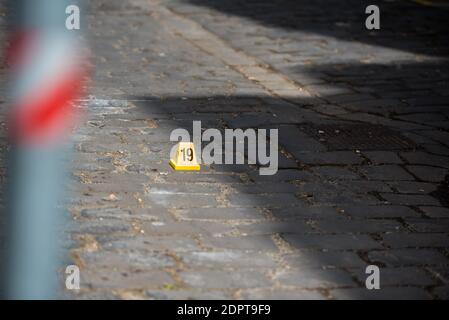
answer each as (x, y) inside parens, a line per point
(382, 294)
(405, 199)
(222, 213)
(410, 276)
(408, 257)
(323, 259)
(221, 279)
(437, 149)
(174, 243)
(127, 214)
(116, 213)
(335, 173)
(331, 242)
(130, 258)
(386, 172)
(413, 187)
(252, 243)
(426, 159)
(365, 186)
(233, 259)
(384, 211)
(282, 175)
(404, 240)
(108, 188)
(266, 188)
(426, 173)
(124, 179)
(382, 157)
(420, 117)
(311, 279)
(441, 273)
(91, 295)
(190, 294)
(103, 226)
(124, 279)
(176, 188)
(302, 212)
(323, 158)
(186, 228)
(329, 194)
(188, 177)
(271, 200)
(435, 212)
(358, 226)
(182, 200)
(330, 109)
(259, 294)
(273, 227)
(428, 225)
(328, 90)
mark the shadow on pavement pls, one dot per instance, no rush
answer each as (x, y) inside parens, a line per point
(405, 25)
(329, 208)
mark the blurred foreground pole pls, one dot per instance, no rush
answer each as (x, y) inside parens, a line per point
(46, 71)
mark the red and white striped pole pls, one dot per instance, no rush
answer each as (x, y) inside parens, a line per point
(47, 72)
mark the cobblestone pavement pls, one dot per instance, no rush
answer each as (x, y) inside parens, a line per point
(364, 151)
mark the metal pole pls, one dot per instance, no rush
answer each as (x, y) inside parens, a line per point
(46, 75)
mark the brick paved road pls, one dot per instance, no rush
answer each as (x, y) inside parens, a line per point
(363, 179)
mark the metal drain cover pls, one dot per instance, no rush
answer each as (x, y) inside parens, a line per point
(357, 136)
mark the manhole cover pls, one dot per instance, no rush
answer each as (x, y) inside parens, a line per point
(357, 136)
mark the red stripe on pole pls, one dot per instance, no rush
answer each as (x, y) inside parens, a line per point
(37, 118)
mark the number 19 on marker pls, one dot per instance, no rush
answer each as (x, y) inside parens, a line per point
(185, 158)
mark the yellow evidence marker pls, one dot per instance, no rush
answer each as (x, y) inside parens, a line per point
(185, 157)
